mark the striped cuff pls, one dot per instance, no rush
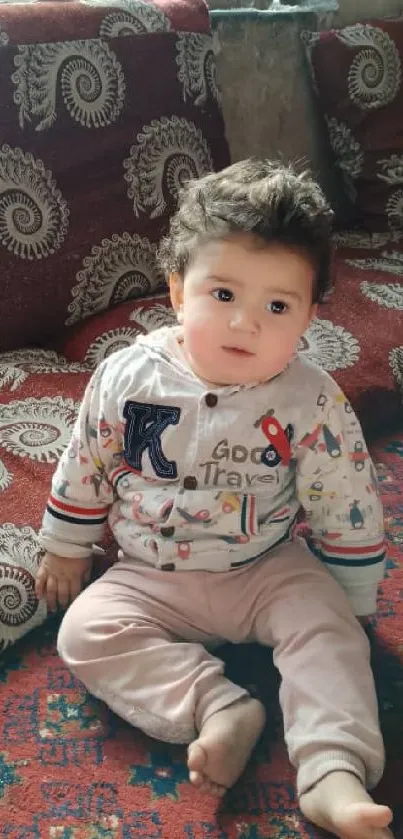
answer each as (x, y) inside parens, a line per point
(71, 527)
(76, 514)
(353, 555)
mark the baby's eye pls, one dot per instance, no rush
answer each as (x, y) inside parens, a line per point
(223, 295)
(277, 307)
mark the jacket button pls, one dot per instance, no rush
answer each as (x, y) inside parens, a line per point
(190, 482)
(211, 400)
(167, 531)
(169, 566)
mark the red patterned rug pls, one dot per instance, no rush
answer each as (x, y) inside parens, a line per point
(70, 769)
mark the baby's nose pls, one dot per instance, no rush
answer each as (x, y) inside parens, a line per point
(245, 319)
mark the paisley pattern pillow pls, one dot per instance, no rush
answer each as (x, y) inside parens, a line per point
(362, 102)
(93, 151)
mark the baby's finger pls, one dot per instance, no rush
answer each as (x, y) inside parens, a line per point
(40, 583)
(51, 593)
(87, 575)
(63, 593)
(75, 587)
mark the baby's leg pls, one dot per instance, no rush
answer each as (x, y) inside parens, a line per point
(327, 694)
(135, 639)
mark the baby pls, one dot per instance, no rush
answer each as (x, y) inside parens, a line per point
(199, 445)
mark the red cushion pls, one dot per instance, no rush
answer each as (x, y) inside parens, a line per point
(358, 78)
(72, 20)
(99, 336)
(91, 159)
(358, 335)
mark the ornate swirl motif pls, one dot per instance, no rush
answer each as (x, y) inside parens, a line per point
(33, 213)
(388, 262)
(19, 608)
(364, 239)
(387, 295)
(110, 342)
(6, 477)
(121, 268)
(347, 151)
(396, 364)
(17, 365)
(133, 17)
(329, 346)
(39, 429)
(167, 153)
(197, 71)
(153, 317)
(86, 74)
(375, 72)
(394, 210)
(391, 169)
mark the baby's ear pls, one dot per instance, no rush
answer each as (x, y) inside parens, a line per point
(176, 293)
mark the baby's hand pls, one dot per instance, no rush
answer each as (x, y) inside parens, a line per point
(60, 579)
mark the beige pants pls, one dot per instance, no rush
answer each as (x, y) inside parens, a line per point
(137, 639)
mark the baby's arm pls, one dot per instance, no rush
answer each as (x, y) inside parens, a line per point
(337, 487)
(80, 498)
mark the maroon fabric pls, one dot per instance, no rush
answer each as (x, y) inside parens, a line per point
(358, 336)
(103, 334)
(65, 20)
(358, 77)
(97, 135)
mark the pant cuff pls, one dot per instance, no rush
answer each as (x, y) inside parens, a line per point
(313, 770)
(159, 728)
(220, 696)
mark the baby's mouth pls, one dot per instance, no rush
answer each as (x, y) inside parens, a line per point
(238, 351)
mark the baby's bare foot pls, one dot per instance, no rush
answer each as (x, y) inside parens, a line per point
(340, 804)
(225, 743)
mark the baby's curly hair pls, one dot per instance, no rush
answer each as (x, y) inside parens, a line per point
(267, 200)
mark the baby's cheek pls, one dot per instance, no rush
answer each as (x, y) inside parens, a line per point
(290, 336)
(201, 343)
(196, 336)
(284, 348)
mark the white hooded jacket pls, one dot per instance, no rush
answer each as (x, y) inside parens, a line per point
(192, 476)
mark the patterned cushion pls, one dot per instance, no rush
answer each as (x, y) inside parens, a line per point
(109, 331)
(358, 335)
(357, 73)
(93, 150)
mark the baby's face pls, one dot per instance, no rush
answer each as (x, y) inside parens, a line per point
(243, 309)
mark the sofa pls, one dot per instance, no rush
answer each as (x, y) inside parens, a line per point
(106, 108)
(93, 149)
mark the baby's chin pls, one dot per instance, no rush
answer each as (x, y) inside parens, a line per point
(217, 376)
(223, 378)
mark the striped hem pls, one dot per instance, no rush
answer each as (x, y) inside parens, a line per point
(285, 538)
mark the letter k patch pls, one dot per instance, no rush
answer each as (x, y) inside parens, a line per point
(144, 427)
